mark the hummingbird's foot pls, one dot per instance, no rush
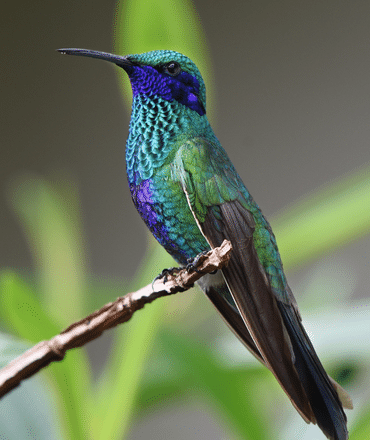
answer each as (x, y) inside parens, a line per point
(195, 262)
(166, 272)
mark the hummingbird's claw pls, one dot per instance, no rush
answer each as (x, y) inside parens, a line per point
(195, 262)
(166, 272)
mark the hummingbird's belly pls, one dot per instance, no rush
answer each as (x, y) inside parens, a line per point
(163, 206)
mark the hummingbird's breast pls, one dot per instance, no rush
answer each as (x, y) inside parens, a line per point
(163, 206)
(156, 127)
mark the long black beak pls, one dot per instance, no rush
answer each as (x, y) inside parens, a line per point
(116, 59)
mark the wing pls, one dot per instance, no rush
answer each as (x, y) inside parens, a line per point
(223, 209)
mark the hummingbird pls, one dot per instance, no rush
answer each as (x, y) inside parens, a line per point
(191, 197)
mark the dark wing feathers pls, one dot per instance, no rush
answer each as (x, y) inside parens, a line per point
(274, 326)
(256, 302)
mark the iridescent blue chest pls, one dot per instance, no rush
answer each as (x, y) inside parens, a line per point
(163, 207)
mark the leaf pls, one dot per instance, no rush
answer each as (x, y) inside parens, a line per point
(71, 385)
(22, 311)
(331, 217)
(24, 314)
(360, 430)
(232, 392)
(50, 217)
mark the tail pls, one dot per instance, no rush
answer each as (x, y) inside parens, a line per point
(322, 399)
(325, 396)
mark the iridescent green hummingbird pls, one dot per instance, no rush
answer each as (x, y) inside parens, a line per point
(190, 196)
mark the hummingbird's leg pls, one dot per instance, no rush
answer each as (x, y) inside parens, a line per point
(166, 272)
(193, 263)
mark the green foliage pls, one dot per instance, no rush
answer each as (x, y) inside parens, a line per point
(232, 392)
(20, 305)
(50, 217)
(361, 429)
(36, 313)
(329, 218)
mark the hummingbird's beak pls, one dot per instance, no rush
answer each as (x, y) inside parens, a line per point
(116, 59)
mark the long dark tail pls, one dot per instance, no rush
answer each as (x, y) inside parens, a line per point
(322, 395)
(276, 335)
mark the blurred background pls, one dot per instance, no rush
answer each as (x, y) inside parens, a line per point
(288, 97)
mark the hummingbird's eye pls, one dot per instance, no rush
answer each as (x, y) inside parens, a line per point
(172, 68)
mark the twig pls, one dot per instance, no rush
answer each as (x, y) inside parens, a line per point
(112, 314)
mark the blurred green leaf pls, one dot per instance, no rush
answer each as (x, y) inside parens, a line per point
(24, 314)
(360, 430)
(232, 392)
(49, 214)
(330, 217)
(71, 385)
(70, 379)
(22, 311)
(50, 217)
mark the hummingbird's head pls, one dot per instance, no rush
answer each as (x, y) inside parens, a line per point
(163, 73)
(170, 75)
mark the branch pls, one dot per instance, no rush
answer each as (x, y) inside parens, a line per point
(112, 314)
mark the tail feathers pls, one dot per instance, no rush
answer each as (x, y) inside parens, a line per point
(324, 394)
(344, 397)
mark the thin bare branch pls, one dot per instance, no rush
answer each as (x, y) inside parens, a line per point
(112, 314)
